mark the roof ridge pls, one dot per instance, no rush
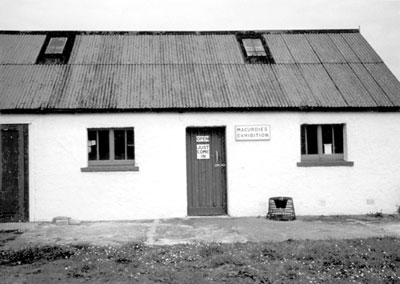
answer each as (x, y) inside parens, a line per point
(215, 32)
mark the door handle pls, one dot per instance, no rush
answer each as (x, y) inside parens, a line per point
(217, 162)
(219, 165)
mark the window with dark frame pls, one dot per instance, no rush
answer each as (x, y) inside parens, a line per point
(254, 48)
(115, 146)
(322, 142)
(57, 48)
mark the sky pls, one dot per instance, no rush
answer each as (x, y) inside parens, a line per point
(378, 20)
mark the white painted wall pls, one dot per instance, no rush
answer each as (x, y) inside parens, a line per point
(256, 170)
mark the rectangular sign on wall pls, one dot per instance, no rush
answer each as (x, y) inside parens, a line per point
(252, 132)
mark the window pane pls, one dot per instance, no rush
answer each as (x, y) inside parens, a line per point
(119, 142)
(327, 141)
(129, 139)
(131, 145)
(92, 145)
(338, 131)
(131, 152)
(247, 44)
(56, 45)
(312, 139)
(253, 47)
(259, 48)
(303, 139)
(104, 145)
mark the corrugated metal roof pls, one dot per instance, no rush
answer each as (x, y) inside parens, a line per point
(361, 48)
(349, 86)
(371, 85)
(196, 71)
(20, 49)
(325, 48)
(278, 48)
(386, 80)
(294, 85)
(300, 49)
(156, 49)
(165, 86)
(321, 85)
(344, 48)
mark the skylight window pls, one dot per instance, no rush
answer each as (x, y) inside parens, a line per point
(56, 45)
(254, 47)
(57, 48)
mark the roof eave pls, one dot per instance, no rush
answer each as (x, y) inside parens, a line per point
(183, 32)
(201, 109)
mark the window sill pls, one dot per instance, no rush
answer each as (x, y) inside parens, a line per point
(111, 168)
(325, 163)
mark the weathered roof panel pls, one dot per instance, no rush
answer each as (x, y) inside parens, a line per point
(278, 48)
(156, 49)
(349, 86)
(268, 85)
(361, 48)
(324, 48)
(386, 80)
(344, 48)
(294, 85)
(20, 49)
(322, 86)
(300, 48)
(371, 85)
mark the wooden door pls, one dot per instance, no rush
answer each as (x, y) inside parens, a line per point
(14, 191)
(206, 171)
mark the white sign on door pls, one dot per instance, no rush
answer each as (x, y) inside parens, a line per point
(203, 151)
(201, 139)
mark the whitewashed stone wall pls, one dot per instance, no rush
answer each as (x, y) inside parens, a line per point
(256, 170)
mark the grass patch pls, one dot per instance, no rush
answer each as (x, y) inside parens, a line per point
(8, 235)
(376, 217)
(374, 260)
(35, 254)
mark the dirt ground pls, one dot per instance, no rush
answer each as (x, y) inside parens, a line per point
(371, 260)
(334, 249)
(195, 230)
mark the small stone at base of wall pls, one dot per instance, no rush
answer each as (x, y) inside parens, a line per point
(61, 222)
(74, 222)
(60, 218)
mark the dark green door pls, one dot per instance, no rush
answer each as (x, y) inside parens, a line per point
(14, 191)
(206, 171)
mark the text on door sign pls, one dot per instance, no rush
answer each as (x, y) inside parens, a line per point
(203, 151)
(200, 139)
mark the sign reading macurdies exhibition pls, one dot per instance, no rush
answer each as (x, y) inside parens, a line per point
(252, 132)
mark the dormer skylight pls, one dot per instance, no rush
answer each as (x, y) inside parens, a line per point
(56, 48)
(255, 49)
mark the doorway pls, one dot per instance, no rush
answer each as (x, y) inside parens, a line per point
(14, 192)
(206, 171)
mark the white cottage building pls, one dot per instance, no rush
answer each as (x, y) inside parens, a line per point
(135, 125)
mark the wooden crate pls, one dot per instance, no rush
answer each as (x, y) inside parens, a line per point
(281, 208)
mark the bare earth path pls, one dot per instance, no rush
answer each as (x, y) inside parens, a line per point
(192, 230)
